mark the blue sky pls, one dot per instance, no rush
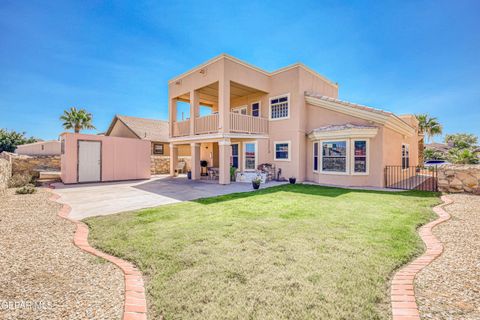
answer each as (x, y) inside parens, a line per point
(116, 57)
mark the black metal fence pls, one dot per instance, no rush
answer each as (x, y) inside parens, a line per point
(411, 178)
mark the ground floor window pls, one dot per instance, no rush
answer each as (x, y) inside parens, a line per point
(282, 151)
(158, 148)
(315, 156)
(405, 156)
(234, 160)
(250, 155)
(360, 156)
(349, 156)
(334, 156)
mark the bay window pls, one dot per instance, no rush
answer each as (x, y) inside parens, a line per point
(345, 156)
(359, 156)
(315, 156)
(334, 156)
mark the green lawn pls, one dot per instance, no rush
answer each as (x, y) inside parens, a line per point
(288, 252)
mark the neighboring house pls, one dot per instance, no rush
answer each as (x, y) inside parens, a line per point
(40, 148)
(290, 118)
(155, 131)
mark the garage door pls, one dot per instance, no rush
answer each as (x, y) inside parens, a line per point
(89, 161)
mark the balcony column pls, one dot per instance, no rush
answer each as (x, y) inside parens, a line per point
(173, 158)
(224, 104)
(225, 153)
(195, 152)
(172, 114)
(194, 110)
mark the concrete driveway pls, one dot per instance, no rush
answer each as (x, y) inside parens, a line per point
(88, 200)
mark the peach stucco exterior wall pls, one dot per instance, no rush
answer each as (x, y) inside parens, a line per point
(122, 158)
(384, 148)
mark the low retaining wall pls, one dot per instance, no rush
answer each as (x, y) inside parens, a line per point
(5, 174)
(161, 164)
(23, 164)
(459, 178)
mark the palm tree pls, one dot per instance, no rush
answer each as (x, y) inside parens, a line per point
(429, 126)
(77, 119)
(463, 156)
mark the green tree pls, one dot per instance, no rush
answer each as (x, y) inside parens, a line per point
(77, 119)
(463, 156)
(462, 140)
(429, 126)
(9, 140)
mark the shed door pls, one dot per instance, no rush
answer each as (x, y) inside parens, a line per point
(89, 161)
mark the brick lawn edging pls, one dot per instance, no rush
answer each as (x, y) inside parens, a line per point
(402, 294)
(135, 306)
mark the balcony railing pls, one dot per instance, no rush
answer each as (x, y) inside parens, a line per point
(181, 128)
(248, 124)
(239, 123)
(206, 124)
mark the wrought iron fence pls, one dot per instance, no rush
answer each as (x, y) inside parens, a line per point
(411, 178)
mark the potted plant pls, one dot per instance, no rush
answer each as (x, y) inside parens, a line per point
(292, 180)
(233, 171)
(189, 174)
(256, 182)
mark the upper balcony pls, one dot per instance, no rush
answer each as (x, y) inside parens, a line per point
(200, 112)
(208, 124)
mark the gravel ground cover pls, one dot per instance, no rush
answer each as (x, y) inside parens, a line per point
(43, 275)
(449, 288)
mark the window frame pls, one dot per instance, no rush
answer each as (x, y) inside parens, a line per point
(289, 143)
(163, 149)
(239, 160)
(244, 154)
(259, 109)
(318, 156)
(367, 157)
(270, 107)
(407, 149)
(239, 109)
(347, 158)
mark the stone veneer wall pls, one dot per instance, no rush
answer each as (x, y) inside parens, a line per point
(5, 174)
(459, 178)
(161, 164)
(22, 164)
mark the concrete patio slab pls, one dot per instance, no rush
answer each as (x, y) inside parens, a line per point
(94, 199)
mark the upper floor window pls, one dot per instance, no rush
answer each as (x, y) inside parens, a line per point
(256, 109)
(405, 156)
(240, 110)
(280, 107)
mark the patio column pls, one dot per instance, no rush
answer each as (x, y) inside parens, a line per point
(224, 104)
(225, 153)
(173, 158)
(194, 104)
(195, 152)
(172, 114)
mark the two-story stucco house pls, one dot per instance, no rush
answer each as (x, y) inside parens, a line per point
(290, 118)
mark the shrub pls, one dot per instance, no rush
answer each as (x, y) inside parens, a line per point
(27, 189)
(19, 180)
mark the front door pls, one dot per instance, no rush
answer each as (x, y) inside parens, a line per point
(89, 161)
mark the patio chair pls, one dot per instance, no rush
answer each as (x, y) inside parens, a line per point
(180, 167)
